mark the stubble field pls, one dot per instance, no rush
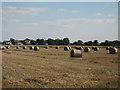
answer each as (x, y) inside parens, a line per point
(54, 68)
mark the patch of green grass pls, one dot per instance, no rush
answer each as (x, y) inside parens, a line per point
(111, 84)
(115, 61)
(43, 57)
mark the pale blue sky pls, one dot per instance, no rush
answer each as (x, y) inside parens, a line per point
(77, 20)
(60, 0)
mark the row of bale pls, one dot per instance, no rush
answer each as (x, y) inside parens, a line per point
(77, 52)
(3, 47)
(31, 48)
(112, 50)
(85, 49)
(25, 47)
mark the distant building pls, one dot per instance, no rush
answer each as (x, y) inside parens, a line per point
(27, 42)
(18, 42)
(7, 43)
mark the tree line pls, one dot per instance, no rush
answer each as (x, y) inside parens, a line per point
(66, 41)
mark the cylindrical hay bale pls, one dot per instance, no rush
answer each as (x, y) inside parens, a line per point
(69, 47)
(93, 48)
(113, 50)
(24, 47)
(17, 47)
(51, 46)
(31, 48)
(36, 48)
(66, 48)
(7, 47)
(96, 48)
(86, 49)
(107, 48)
(2, 48)
(75, 53)
(76, 47)
(46, 47)
(57, 47)
(79, 48)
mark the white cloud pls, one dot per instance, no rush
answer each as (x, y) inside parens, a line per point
(85, 20)
(75, 11)
(10, 7)
(13, 11)
(99, 14)
(34, 9)
(73, 22)
(72, 27)
(64, 22)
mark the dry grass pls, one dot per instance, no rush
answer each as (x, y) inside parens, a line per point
(53, 68)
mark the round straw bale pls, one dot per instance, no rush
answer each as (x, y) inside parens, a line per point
(66, 48)
(51, 46)
(79, 48)
(24, 47)
(76, 47)
(7, 47)
(113, 50)
(93, 48)
(36, 48)
(46, 47)
(31, 47)
(86, 49)
(76, 53)
(69, 47)
(96, 48)
(2, 48)
(107, 48)
(57, 47)
(17, 47)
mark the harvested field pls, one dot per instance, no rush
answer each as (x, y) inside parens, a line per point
(54, 68)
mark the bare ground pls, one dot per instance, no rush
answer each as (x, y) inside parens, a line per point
(53, 68)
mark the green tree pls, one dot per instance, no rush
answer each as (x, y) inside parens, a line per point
(12, 41)
(33, 42)
(50, 41)
(89, 43)
(95, 43)
(40, 42)
(66, 41)
(80, 42)
(75, 43)
(102, 44)
(107, 43)
(0, 42)
(60, 42)
(115, 43)
(57, 42)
